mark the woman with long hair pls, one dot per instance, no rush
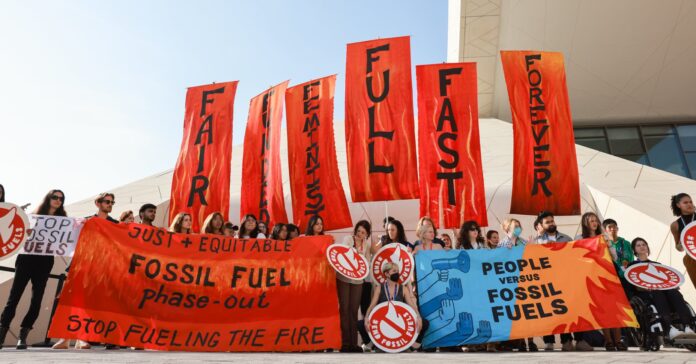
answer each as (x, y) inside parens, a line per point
(213, 224)
(470, 236)
(249, 228)
(182, 223)
(590, 225)
(34, 268)
(280, 232)
(315, 226)
(351, 291)
(395, 235)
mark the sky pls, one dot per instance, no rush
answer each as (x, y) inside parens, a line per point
(92, 92)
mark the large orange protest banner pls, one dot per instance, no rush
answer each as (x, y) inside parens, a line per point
(314, 179)
(201, 180)
(262, 182)
(141, 286)
(449, 147)
(380, 140)
(545, 168)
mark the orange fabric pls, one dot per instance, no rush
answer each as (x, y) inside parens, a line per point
(545, 167)
(121, 273)
(201, 180)
(262, 182)
(449, 147)
(380, 139)
(314, 179)
(597, 301)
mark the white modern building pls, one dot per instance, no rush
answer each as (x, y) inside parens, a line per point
(631, 69)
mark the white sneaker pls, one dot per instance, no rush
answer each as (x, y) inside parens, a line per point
(688, 331)
(548, 347)
(674, 333)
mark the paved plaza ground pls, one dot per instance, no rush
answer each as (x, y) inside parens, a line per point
(46, 356)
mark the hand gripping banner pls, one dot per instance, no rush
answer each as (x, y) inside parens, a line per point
(314, 179)
(380, 139)
(262, 182)
(545, 168)
(201, 180)
(480, 296)
(449, 147)
(141, 286)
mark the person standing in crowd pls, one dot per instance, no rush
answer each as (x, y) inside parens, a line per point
(470, 236)
(447, 240)
(683, 207)
(492, 239)
(182, 223)
(513, 234)
(213, 224)
(34, 268)
(315, 226)
(395, 235)
(293, 231)
(426, 220)
(426, 234)
(622, 247)
(280, 232)
(147, 214)
(105, 202)
(391, 290)
(249, 228)
(263, 229)
(229, 229)
(126, 217)
(350, 291)
(590, 225)
(549, 234)
(667, 301)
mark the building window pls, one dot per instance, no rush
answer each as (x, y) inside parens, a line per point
(669, 147)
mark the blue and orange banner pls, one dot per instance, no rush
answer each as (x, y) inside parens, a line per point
(479, 296)
(142, 286)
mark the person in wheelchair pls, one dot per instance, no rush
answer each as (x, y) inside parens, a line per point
(666, 302)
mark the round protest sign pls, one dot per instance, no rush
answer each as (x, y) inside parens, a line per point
(13, 229)
(392, 326)
(347, 261)
(688, 239)
(395, 253)
(653, 276)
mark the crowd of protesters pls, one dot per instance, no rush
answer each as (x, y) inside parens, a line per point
(357, 298)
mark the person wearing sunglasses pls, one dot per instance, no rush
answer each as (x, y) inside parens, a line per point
(34, 269)
(105, 203)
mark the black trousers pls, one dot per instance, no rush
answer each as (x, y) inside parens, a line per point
(34, 268)
(666, 302)
(366, 297)
(551, 339)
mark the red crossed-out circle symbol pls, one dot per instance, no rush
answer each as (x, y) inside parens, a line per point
(688, 239)
(653, 276)
(395, 253)
(392, 326)
(13, 229)
(347, 261)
